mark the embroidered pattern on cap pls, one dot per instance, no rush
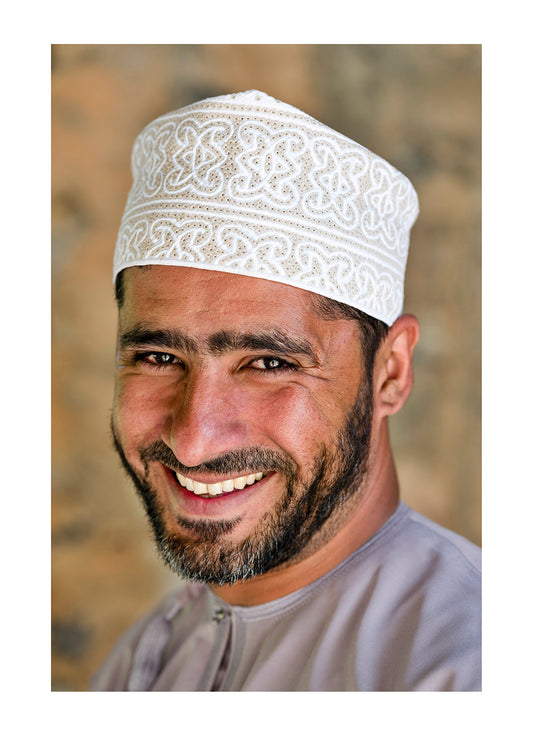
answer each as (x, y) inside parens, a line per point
(246, 184)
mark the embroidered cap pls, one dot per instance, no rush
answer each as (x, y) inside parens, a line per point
(246, 184)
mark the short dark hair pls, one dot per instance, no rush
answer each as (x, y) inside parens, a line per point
(119, 288)
(373, 331)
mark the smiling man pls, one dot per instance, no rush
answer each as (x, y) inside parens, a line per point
(259, 276)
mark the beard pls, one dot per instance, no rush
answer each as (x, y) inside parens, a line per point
(202, 554)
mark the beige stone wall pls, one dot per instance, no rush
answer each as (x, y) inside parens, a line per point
(416, 105)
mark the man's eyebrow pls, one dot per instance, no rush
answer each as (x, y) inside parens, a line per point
(276, 341)
(145, 336)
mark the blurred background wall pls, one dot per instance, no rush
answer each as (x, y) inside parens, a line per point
(418, 106)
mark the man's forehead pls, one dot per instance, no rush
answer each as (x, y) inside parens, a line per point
(153, 287)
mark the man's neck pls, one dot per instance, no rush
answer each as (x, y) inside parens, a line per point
(340, 537)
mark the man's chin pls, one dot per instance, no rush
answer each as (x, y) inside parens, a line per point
(208, 554)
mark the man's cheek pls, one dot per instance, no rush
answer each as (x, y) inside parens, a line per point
(296, 420)
(139, 410)
(130, 423)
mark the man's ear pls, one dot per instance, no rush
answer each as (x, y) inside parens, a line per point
(393, 368)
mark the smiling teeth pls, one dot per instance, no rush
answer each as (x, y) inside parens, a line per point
(217, 488)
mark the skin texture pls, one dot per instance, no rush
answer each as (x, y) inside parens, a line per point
(210, 392)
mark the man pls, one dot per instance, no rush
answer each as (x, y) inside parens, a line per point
(259, 275)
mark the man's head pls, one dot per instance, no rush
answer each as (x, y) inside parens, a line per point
(249, 408)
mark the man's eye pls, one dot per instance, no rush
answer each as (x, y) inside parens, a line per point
(156, 358)
(272, 363)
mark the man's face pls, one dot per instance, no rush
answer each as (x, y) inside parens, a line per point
(242, 416)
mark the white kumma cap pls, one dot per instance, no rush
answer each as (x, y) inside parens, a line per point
(246, 184)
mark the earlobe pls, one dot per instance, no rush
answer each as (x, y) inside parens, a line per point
(394, 367)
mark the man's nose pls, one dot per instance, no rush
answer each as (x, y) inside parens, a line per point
(204, 420)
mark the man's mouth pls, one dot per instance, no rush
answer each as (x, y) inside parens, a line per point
(215, 489)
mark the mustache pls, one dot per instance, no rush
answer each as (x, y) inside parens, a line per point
(233, 462)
